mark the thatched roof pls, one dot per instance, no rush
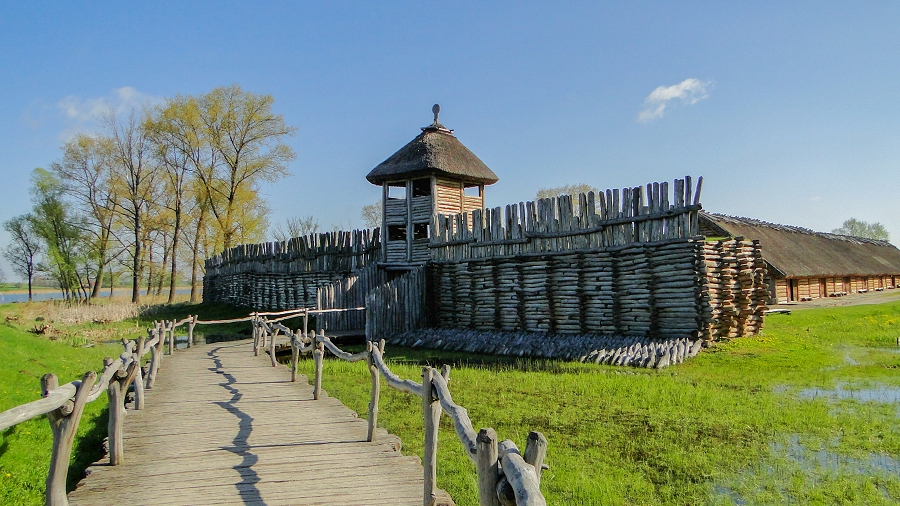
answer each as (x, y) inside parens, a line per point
(433, 152)
(799, 252)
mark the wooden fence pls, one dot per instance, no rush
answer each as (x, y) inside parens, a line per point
(504, 475)
(397, 306)
(283, 275)
(64, 404)
(569, 223)
(348, 292)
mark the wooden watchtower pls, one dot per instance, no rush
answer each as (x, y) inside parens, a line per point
(432, 174)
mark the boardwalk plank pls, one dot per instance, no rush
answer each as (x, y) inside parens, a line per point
(223, 427)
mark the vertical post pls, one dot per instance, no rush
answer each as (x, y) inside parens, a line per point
(138, 380)
(63, 423)
(169, 330)
(295, 356)
(376, 392)
(191, 325)
(318, 358)
(155, 357)
(431, 412)
(255, 322)
(535, 451)
(272, 347)
(486, 464)
(116, 395)
(160, 333)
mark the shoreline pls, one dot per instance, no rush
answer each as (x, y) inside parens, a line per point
(116, 291)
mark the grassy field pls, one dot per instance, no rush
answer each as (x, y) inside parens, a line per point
(783, 418)
(753, 421)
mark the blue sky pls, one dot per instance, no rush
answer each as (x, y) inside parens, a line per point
(789, 110)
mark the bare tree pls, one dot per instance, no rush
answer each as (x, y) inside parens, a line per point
(371, 214)
(296, 226)
(23, 249)
(569, 189)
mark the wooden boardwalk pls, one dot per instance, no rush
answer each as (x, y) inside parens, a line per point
(222, 426)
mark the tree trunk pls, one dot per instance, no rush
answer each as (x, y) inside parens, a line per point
(136, 265)
(194, 261)
(175, 233)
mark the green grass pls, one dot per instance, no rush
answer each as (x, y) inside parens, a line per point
(25, 448)
(729, 426)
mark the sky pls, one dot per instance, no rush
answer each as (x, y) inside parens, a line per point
(789, 110)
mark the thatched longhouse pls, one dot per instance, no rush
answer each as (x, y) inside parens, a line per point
(803, 264)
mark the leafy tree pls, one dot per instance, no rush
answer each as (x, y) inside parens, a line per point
(86, 172)
(569, 189)
(371, 214)
(296, 226)
(246, 147)
(859, 228)
(61, 233)
(135, 181)
(22, 252)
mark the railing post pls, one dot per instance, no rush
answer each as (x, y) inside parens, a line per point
(431, 413)
(535, 451)
(155, 358)
(272, 347)
(161, 334)
(376, 392)
(169, 332)
(256, 331)
(138, 379)
(63, 423)
(318, 358)
(115, 393)
(486, 465)
(191, 325)
(295, 356)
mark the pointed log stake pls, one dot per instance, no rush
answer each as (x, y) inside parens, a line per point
(318, 358)
(376, 392)
(63, 423)
(431, 412)
(486, 464)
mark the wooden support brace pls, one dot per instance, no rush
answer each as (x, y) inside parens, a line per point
(63, 423)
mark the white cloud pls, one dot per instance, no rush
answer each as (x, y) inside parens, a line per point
(689, 91)
(84, 114)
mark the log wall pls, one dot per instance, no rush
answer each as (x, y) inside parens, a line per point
(397, 306)
(734, 293)
(348, 292)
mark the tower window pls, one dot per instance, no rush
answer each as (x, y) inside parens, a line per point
(420, 231)
(421, 188)
(472, 191)
(397, 191)
(396, 232)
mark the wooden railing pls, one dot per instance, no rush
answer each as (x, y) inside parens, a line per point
(505, 476)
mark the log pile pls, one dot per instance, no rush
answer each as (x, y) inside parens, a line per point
(599, 349)
(735, 293)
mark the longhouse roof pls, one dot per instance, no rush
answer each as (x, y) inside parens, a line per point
(800, 252)
(436, 151)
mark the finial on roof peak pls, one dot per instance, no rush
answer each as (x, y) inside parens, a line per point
(436, 109)
(436, 126)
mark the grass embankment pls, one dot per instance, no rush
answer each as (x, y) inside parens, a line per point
(732, 426)
(74, 345)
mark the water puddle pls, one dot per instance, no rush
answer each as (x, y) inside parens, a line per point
(775, 476)
(883, 393)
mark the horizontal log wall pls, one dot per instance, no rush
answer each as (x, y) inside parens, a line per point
(287, 274)
(635, 290)
(735, 293)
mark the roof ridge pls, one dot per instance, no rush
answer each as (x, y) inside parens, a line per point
(798, 230)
